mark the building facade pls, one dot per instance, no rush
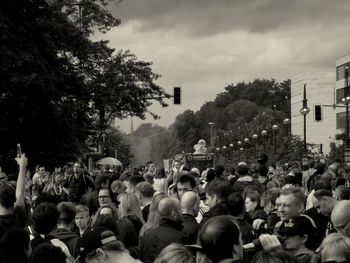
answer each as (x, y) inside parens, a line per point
(321, 124)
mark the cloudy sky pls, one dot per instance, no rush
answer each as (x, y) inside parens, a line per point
(203, 45)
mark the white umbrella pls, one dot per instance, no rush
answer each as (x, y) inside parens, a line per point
(109, 161)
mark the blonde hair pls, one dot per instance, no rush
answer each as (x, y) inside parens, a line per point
(130, 205)
(335, 247)
(175, 253)
(153, 216)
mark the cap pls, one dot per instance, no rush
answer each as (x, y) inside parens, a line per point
(298, 225)
(263, 158)
(92, 239)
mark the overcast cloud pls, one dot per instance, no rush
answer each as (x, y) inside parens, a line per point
(203, 45)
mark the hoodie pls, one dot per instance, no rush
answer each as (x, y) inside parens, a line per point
(68, 237)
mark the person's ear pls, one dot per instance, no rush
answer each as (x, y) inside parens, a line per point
(100, 254)
(304, 238)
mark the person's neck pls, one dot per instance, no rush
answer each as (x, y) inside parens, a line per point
(82, 230)
(6, 211)
(299, 250)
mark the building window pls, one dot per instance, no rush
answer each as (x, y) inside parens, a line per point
(342, 93)
(340, 71)
(318, 113)
(341, 120)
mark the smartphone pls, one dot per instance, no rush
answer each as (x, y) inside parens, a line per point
(19, 150)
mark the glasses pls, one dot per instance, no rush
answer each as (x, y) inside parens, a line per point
(103, 196)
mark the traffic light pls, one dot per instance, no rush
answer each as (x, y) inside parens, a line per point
(177, 95)
(318, 113)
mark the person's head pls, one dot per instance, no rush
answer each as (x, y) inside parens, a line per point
(46, 252)
(325, 201)
(274, 256)
(66, 214)
(190, 203)
(335, 248)
(320, 168)
(217, 191)
(298, 232)
(107, 221)
(220, 238)
(101, 181)
(40, 169)
(175, 253)
(170, 208)
(82, 217)
(130, 205)
(104, 197)
(105, 210)
(342, 192)
(341, 217)
(242, 169)
(100, 245)
(7, 197)
(131, 183)
(291, 203)
(117, 188)
(151, 167)
(3, 178)
(210, 175)
(268, 199)
(252, 201)
(77, 167)
(45, 217)
(144, 192)
(57, 178)
(186, 182)
(235, 205)
(219, 170)
(177, 165)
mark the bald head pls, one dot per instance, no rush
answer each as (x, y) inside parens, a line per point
(169, 208)
(190, 203)
(341, 217)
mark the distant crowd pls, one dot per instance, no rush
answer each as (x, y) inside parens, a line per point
(257, 213)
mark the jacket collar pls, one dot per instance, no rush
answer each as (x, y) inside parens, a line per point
(171, 223)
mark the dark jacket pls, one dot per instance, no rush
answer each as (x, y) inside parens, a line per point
(67, 237)
(217, 210)
(90, 199)
(152, 243)
(191, 228)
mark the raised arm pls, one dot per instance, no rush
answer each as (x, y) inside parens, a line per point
(22, 163)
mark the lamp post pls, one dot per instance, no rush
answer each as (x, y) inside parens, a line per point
(305, 111)
(239, 144)
(246, 141)
(255, 138)
(263, 135)
(346, 101)
(286, 122)
(211, 132)
(275, 128)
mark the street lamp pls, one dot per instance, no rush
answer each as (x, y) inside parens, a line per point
(255, 138)
(304, 111)
(246, 141)
(239, 144)
(286, 122)
(263, 135)
(346, 101)
(211, 132)
(275, 128)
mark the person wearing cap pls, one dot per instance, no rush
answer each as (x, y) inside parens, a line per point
(298, 234)
(101, 245)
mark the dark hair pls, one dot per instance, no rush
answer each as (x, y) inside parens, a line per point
(7, 196)
(235, 204)
(67, 212)
(322, 193)
(344, 192)
(270, 195)
(145, 188)
(210, 175)
(322, 184)
(320, 168)
(108, 222)
(218, 236)
(254, 197)
(47, 252)
(219, 188)
(219, 170)
(263, 170)
(127, 233)
(45, 218)
(186, 178)
(14, 244)
(242, 169)
(160, 173)
(99, 180)
(135, 179)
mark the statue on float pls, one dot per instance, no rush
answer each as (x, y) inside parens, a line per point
(200, 147)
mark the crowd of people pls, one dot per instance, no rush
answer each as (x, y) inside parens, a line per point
(255, 213)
